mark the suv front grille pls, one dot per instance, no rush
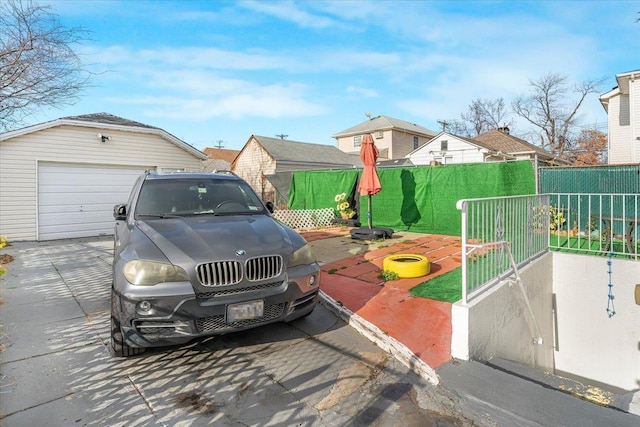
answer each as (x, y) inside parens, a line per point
(221, 273)
(225, 273)
(263, 268)
(218, 323)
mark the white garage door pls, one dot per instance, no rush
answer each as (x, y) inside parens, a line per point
(78, 200)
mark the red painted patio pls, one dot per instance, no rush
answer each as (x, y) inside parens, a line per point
(422, 325)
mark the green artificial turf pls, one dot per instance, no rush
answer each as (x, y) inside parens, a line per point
(586, 245)
(447, 287)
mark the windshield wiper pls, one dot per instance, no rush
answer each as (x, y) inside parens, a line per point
(163, 216)
(233, 213)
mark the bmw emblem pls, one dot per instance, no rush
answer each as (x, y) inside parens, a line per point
(240, 252)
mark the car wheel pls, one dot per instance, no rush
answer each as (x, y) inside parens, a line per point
(118, 346)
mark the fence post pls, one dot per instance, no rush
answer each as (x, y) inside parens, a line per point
(461, 205)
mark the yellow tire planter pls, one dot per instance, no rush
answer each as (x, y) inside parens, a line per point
(407, 265)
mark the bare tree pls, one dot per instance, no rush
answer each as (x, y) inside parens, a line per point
(474, 118)
(38, 67)
(485, 114)
(453, 126)
(546, 108)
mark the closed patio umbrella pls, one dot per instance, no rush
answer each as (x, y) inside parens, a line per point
(369, 182)
(369, 186)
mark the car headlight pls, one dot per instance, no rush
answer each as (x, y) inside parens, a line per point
(149, 273)
(302, 256)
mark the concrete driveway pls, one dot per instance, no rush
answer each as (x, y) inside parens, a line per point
(56, 368)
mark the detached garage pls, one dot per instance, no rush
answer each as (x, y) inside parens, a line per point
(61, 179)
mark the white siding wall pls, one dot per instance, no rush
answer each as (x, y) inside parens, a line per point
(19, 157)
(624, 125)
(252, 164)
(634, 105)
(619, 130)
(458, 151)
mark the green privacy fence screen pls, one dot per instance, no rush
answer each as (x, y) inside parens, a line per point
(421, 198)
(591, 179)
(592, 191)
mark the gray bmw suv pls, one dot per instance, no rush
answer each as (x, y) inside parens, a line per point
(199, 254)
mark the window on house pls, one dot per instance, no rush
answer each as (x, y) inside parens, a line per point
(357, 141)
(415, 142)
(444, 145)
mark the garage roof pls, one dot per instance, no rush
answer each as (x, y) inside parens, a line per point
(105, 121)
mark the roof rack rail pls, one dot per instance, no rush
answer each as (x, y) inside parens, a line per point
(225, 171)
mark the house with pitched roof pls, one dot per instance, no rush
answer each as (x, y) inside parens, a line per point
(622, 105)
(501, 141)
(492, 146)
(262, 157)
(219, 159)
(394, 138)
(61, 178)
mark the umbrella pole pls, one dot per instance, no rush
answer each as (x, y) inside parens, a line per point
(369, 214)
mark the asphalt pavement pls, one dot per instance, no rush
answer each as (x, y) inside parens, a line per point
(56, 368)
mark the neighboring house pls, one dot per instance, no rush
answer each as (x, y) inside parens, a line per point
(622, 105)
(219, 159)
(262, 156)
(394, 163)
(394, 138)
(491, 146)
(501, 141)
(61, 178)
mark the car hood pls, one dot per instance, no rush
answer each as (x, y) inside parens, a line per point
(192, 240)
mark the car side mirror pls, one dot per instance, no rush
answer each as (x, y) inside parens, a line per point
(269, 206)
(120, 212)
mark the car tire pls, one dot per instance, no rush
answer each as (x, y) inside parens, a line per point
(118, 347)
(407, 265)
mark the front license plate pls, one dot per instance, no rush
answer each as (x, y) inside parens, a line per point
(245, 311)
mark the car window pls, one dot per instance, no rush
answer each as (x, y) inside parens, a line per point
(186, 196)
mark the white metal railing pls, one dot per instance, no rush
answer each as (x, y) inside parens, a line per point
(528, 226)
(489, 225)
(597, 224)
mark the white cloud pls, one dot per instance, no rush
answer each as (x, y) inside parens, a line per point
(290, 12)
(362, 91)
(274, 101)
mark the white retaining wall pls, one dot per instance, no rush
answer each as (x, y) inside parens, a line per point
(580, 338)
(498, 324)
(590, 344)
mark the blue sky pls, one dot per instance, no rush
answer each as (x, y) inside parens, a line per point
(222, 71)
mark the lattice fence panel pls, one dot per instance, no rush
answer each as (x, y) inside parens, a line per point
(305, 218)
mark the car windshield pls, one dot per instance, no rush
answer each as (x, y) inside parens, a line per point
(165, 198)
